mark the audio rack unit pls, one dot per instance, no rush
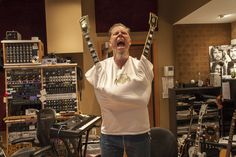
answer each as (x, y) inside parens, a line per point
(23, 86)
(20, 128)
(32, 87)
(18, 52)
(60, 90)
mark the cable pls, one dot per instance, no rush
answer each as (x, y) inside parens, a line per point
(61, 126)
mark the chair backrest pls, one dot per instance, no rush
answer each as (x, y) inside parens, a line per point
(163, 143)
(45, 119)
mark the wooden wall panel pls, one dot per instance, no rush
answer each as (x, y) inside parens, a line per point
(64, 34)
(191, 45)
(233, 29)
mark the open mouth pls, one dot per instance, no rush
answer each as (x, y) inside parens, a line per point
(120, 44)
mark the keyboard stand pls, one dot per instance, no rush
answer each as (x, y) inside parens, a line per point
(73, 138)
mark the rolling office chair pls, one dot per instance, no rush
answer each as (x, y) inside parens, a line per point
(163, 143)
(45, 119)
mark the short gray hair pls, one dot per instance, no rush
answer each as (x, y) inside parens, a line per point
(117, 25)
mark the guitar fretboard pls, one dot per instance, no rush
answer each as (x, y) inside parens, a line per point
(85, 29)
(153, 24)
(91, 48)
(197, 146)
(148, 43)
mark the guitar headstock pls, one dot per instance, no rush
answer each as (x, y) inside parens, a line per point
(203, 110)
(84, 23)
(153, 19)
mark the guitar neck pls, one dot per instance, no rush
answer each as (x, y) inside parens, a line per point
(191, 121)
(91, 48)
(84, 23)
(197, 139)
(197, 145)
(148, 42)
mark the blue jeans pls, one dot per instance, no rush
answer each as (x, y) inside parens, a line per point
(133, 145)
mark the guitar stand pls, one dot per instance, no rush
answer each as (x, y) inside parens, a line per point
(74, 146)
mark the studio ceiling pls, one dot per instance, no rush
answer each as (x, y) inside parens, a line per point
(210, 12)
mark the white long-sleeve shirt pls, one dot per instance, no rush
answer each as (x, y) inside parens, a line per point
(123, 95)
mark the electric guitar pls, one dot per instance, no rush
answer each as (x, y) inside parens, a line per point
(84, 23)
(183, 145)
(195, 151)
(153, 24)
(227, 152)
